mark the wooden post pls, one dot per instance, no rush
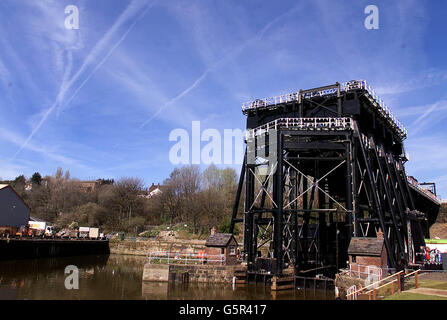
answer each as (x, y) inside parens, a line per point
(275, 283)
(399, 285)
(374, 294)
(416, 279)
(369, 295)
(392, 288)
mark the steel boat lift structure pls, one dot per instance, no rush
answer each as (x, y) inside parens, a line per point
(322, 166)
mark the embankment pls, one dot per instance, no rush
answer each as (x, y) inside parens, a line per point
(145, 247)
(11, 249)
(196, 273)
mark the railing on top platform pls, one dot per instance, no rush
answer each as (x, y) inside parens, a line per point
(414, 183)
(308, 124)
(382, 108)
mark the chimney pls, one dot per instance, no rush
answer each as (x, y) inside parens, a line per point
(379, 234)
(213, 231)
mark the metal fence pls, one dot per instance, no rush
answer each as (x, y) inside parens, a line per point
(325, 91)
(371, 289)
(371, 273)
(428, 193)
(164, 257)
(309, 124)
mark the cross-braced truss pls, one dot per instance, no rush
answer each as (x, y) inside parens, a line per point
(325, 180)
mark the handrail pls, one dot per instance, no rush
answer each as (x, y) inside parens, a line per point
(178, 257)
(376, 101)
(320, 123)
(382, 286)
(374, 290)
(375, 283)
(360, 270)
(391, 282)
(415, 184)
(410, 274)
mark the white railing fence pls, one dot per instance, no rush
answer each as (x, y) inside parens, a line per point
(372, 273)
(351, 293)
(303, 124)
(374, 286)
(383, 109)
(164, 257)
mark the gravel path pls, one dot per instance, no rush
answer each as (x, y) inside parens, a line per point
(429, 291)
(434, 275)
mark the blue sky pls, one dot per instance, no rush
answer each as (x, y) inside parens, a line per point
(101, 101)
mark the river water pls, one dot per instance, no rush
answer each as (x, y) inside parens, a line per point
(118, 277)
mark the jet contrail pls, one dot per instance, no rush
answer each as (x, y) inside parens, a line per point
(419, 122)
(129, 12)
(219, 63)
(65, 86)
(45, 115)
(184, 92)
(109, 53)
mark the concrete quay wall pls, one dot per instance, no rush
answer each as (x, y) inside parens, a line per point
(196, 273)
(11, 249)
(145, 247)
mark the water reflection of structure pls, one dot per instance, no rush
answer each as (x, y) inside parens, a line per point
(39, 267)
(32, 248)
(23, 279)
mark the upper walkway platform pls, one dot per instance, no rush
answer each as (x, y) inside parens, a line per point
(335, 90)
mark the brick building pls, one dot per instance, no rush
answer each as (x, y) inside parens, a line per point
(368, 251)
(222, 244)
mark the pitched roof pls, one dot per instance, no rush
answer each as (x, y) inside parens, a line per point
(154, 187)
(4, 186)
(219, 240)
(366, 246)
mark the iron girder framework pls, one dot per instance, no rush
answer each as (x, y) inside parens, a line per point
(322, 166)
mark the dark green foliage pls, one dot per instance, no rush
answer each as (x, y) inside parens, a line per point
(36, 178)
(224, 226)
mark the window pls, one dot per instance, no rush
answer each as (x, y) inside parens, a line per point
(232, 250)
(222, 251)
(354, 259)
